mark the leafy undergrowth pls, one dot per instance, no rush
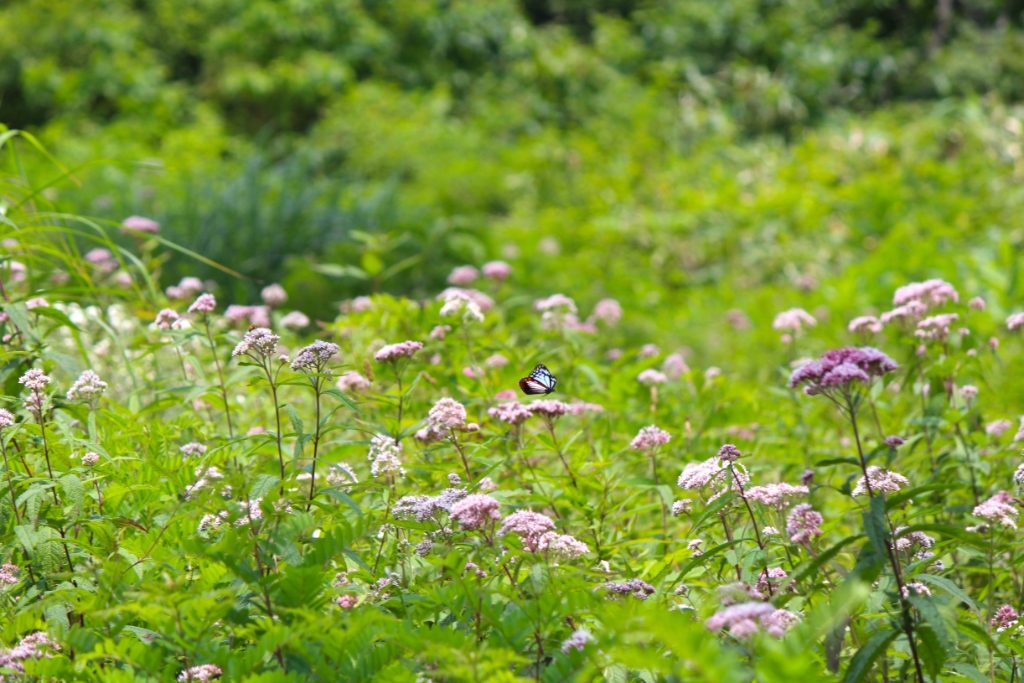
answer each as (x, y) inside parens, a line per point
(194, 490)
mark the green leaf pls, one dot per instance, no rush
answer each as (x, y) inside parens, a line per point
(875, 526)
(74, 492)
(297, 425)
(865, 658)
(263, 485)
(930, 649)
(950, 587)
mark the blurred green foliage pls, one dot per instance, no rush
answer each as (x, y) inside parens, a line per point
(661, 143)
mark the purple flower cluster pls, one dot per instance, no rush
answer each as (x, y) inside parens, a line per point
(640, 590)
(803, 524)
(838, 368)
(314, 358)
(258, 343)
(9, 574)
(577, 641)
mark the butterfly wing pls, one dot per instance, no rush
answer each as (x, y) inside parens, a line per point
(539, 381)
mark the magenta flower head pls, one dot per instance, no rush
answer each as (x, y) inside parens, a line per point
(166, 318)
(894, 441)
(204, 303)
(837, 370)
(140, 224)
(475, 511)
(649, 438)
(395, 352)
(447, 414)
(1006, 617)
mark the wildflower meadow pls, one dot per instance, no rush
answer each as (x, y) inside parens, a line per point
(511, 340)
(199, 489)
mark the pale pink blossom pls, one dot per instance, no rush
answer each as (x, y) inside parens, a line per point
(674, 366)
(648, 351)
(140, 224)
(88, 387)
(36, 302)
(439, 332)
(1015, 321)
(651, 377)
(577, 641)
(649, 438)
(881, 481)
(865, 324)
(803, 523)
(932, 292)
(529, 526)
(913, 310)
(165, 319)
(273, 295)
(775, 495)
(977, 303)
(497, 270)
(476, 511)
(9, 574)
(793, 319)
(607, 311)
(396, 352)
(204, 673)
(204, 303)
(549, 408)
(641, 590)
(34, 380)
(495, 361)
(314, 358)
(295, 320)
(258, 343)
(463, 275)
(385, 456)
(352, 381)
(510, 412)
(999, 508)
(1006, 617)
(90, 459)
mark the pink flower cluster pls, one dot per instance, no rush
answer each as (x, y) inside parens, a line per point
(649, 438)
(314, 358)
(651, 377)
(935, 327)
(577, 641)
(865, 324)
(934, 292)
(273, 295)
(838, 368)
(258, 343)
(88, 387)
(879, 481)
(529, 526)
(640, 590)
(510, 412)
(140, 224)
(803, 524)
(999, 508)
(352, 381)
(475, 511)
(395, 352)
(9, 574)
(187, 287)
(204, 303)
(251, 315)
(385, 456)
(33, 646)
(204, 673)
(746, 618)
(793, 319)
(775, 495)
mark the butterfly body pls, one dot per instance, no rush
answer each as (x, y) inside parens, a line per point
(539, 381)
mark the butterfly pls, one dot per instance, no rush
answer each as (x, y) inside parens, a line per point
(539, 381)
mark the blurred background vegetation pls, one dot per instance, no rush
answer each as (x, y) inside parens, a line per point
(683, 156)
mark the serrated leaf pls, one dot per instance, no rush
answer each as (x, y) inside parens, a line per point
(263, 485)
(930, 649)
(950, 587)
(297, 425)
(74, 492)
